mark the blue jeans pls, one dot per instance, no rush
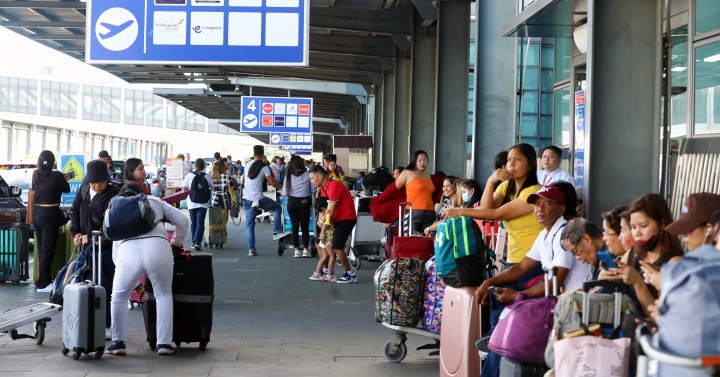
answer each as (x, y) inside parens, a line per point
(491, 365)
(250, 214)
(197, 224)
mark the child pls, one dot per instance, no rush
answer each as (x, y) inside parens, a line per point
(324, 270)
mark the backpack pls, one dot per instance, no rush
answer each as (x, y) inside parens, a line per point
(689, 322)
(128, 217)
(461, 256)
(199, 189)
(74, 271)
(378, 179)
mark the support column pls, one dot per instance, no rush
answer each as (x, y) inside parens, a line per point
(618, 29)
(378, 129)
(494, 120)
(403, 88)
(422, 132)
(452, 87)
(388, 119)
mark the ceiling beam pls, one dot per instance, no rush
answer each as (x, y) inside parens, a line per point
(353, 45)
(427, 10)
(42, 4)
(42, 24)
(363, 20)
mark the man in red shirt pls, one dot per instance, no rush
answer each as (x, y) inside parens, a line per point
(341, 214)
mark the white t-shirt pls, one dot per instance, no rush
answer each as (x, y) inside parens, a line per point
(547, 250)
(254, 187)
(187, 183)
(545, 178)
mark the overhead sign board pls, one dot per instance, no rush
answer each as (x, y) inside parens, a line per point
(298, 149)
(291, 139)
(211, 32)
(276, 114)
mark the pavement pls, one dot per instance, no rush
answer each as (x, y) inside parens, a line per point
(269, 319)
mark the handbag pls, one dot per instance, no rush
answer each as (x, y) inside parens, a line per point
(30, 205)
(234, 214)
(592, 356)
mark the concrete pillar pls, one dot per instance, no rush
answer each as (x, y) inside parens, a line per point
(494, 118)
(452, 87)
(388, 119)
(619, 29)
(403, 88)
(377, 105)
(422, 132)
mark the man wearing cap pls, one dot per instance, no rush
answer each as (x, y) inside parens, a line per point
(87, 215)
(546, 251)
(695, 221)
(253, 199)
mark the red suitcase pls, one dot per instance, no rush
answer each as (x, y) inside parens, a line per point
(461, 328)
(176, 197)
(409, 246)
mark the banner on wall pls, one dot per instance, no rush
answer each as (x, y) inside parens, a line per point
(579, 166)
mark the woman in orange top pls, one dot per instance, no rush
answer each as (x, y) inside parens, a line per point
(419, 190)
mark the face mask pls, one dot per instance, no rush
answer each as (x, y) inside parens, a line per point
(649, 244)
(465, 197)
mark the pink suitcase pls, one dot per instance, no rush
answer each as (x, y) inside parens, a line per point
(460, 330)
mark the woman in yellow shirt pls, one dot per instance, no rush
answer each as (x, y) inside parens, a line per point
(509, 202)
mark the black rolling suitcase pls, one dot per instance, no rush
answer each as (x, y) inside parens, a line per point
(193, 295)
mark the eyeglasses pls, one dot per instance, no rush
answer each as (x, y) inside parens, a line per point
(573, 251)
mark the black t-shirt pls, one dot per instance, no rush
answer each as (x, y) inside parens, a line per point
(50, 189)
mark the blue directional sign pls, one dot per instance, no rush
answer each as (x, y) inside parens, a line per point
(291, 139)
(298, 149)
(212, 32)
(276, 114)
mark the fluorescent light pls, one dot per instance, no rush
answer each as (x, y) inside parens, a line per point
(712, 59)
(679, 69)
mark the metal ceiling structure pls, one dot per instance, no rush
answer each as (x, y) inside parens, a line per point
(351, 41)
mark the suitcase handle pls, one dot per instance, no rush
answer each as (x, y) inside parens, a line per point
(616, 285)
(97, 238)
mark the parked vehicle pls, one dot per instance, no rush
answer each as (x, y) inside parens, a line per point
(154, 179)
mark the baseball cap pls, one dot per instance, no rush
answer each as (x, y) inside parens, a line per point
(104, 154)
(697, 210)
(548, 192)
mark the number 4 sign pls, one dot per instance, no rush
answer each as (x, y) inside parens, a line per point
(276, 114)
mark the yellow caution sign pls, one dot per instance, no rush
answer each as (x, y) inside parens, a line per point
(74, 167)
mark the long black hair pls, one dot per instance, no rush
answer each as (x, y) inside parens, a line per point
(471, 184)
(296, 167)
(129, 168)
(528, 151)
(413, 162)
(45, 163)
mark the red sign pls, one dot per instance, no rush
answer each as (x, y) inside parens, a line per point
(579, 98)
(304, 109)
(267, 109)
(267, 120)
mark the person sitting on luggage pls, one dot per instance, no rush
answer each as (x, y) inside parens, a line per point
(340, 213)
(648, 216)
(255, 174)
(546, 251)
(149, 254)
(87, 214)
(324, 269)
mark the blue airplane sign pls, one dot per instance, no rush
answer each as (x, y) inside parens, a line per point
(201, 32)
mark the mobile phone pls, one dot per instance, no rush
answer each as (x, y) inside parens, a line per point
(631, 258)
(607, 259)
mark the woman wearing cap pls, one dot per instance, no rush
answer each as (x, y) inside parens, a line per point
(48, 186)
(88, 210)
(149, 254)
(695, 223)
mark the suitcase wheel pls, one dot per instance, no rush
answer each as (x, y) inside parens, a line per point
(65, 351)
(280, 248)
(398, 355)
(220, 246)
(98, 354)
(203, 346)
(177, 344)
(76, 355)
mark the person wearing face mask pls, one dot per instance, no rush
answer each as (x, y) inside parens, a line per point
(419, 189)
(551, 171)
(471, 193)
(649, 214)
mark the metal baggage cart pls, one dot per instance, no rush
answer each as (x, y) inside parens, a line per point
(366, 235)
(644, 337)
(283, 238)
(39, 313)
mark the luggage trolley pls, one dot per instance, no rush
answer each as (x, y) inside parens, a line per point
(283, 238)
(366, 234)
(38, 313)
(644, 337)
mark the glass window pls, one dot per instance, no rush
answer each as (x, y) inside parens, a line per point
(563, 61)
(529, 126)
(546, 104)
(678, 80)
(561, 118)
(532, 79)
(546, 125)
(528, 55)
(546, 80)
(530, 102)
(4, 93)
(707, 16)
(548, 56)
(707, 81)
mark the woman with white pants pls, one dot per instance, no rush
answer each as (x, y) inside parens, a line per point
(149, 254)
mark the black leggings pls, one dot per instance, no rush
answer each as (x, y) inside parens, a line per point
(299, 211)
(47, 221)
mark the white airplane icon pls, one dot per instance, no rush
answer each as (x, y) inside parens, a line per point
(113, 30)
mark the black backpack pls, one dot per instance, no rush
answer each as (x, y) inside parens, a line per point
(199, 189)
(378, 179)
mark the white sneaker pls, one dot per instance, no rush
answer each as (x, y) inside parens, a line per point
(298, 254)
(47, 289)
(306, 253)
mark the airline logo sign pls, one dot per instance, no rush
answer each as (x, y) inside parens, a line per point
(277, 114)
(294, 141)
(248, 32)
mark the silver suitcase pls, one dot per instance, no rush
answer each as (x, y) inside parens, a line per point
(84, 313)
